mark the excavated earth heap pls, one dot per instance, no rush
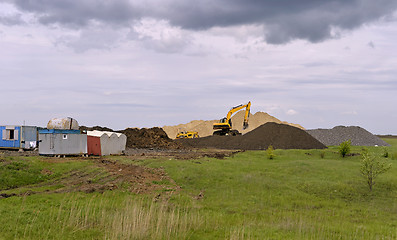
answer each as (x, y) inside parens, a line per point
(142, 137)
(280, 136)
(149, 138)
(98, 128)
(335, 136)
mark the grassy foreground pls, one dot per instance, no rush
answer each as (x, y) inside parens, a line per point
(301, 194)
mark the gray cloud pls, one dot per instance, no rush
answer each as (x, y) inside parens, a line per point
(312, 20)
(371, 44)
(78, 13)
(15, 19)
(91, 38)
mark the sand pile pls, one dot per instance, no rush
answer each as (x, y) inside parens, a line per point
(149, 138)
(204, 128)
(335, 136)
(280, 136)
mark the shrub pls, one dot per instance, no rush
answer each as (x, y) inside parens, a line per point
(344, 148)
(385, 152)
(270, 152)
(371, 168)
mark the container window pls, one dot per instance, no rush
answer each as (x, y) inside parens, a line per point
(10, 135)
(65, 136)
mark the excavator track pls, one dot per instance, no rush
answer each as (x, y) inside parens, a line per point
(226, 133)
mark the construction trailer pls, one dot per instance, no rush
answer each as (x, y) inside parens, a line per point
(62, 142)
(18, 137)
(102, 143)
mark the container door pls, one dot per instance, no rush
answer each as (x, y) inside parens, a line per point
(52, 141)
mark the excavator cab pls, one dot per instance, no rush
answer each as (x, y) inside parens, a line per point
(224, 120)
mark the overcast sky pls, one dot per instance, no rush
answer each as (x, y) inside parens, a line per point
(124, 63)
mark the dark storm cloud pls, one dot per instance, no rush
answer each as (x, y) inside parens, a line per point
(313, 20)
(283, 21)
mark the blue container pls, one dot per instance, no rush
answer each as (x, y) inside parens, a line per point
(18, 137)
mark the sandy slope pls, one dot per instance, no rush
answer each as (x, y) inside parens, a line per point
(204, 128)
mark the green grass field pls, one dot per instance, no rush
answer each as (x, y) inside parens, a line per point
(301, 194)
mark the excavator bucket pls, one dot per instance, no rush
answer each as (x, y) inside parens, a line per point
(245, 125)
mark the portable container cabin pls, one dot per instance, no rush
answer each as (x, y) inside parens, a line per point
(18, 137)
(103, 143)
(55, 142)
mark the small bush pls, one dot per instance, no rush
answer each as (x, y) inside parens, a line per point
(371, 168)
(322, 154)
(344, 148)
(270, 152)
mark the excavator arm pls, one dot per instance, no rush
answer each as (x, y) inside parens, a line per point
(238, 108)
(246, 116)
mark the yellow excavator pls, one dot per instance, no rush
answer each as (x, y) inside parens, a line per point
(224, 126)
(187, 134)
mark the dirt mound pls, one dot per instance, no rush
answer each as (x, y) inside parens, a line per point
(98, 128)
(142, 137)
(139, 178)
(204, 128)
(280, 136)
(335, 136)
(149, 138)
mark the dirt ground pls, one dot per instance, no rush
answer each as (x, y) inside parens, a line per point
(113, 174)
(179, 153)
(6, 152)
(146, 153)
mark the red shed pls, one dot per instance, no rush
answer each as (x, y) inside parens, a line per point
(94, 145)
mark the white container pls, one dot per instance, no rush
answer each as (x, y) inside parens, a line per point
(63, 123)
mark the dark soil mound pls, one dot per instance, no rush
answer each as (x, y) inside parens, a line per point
(98, 128)
(149, 138)
(142, 137)
(358, 136)
(280, 136)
